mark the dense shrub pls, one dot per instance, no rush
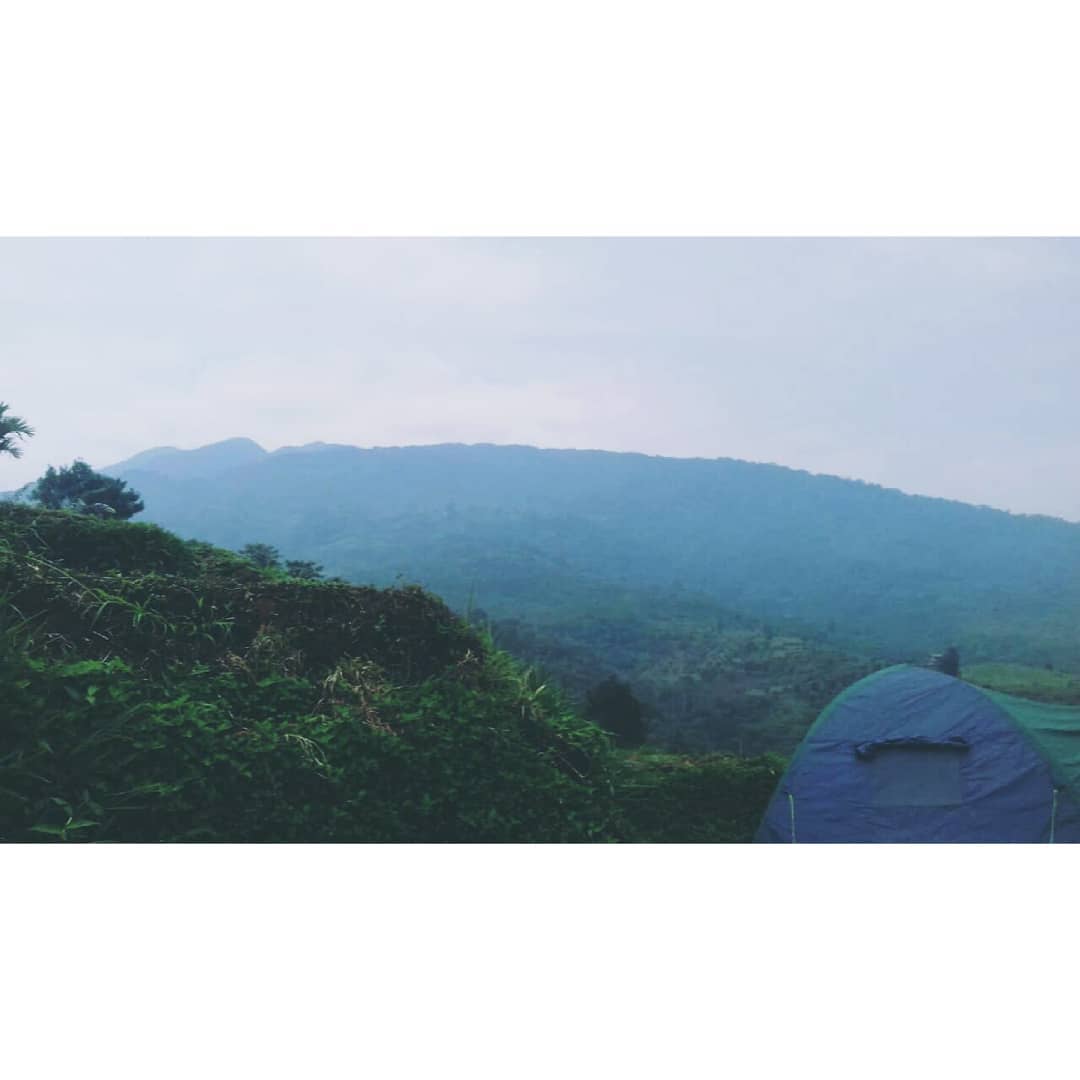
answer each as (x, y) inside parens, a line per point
(670, 798)
(224, 703)
(90, 750)
(87, 543)
(178, 693)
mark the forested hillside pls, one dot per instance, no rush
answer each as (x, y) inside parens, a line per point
(709, 679)
(531, 535)
(520, 532)
(156, 689)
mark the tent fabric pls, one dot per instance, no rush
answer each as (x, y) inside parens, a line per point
(1055, 731)
(909, 755)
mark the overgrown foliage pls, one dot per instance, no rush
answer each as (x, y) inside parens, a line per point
(707, 679)
(157, 690)
(675, 798)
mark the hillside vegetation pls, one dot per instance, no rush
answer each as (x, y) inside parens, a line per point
(871, 570)
(708, 678)
(157, 689)
(735, 598)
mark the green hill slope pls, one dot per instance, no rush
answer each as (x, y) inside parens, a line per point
(163, 690)
(710, 679)
(873, 571)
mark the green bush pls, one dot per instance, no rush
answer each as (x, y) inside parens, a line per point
(91, 751)
(715, 798)
(80, 542)
(224, 703)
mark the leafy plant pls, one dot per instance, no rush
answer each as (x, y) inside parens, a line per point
(184, 695)
(12, 428)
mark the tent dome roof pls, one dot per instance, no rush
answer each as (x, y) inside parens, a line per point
(908, 754)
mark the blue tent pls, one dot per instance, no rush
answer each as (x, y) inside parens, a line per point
(908, 755)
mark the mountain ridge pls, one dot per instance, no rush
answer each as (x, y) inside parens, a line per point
(875, 568)
(734, 596)
(137, 463)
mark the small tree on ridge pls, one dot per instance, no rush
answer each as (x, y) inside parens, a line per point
(264, 556)
(78, 487)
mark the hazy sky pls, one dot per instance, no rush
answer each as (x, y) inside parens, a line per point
(942, 367)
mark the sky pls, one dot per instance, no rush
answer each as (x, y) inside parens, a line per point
(940, 367)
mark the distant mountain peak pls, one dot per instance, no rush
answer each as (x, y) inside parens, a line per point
(202, 461)
(239, 443)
